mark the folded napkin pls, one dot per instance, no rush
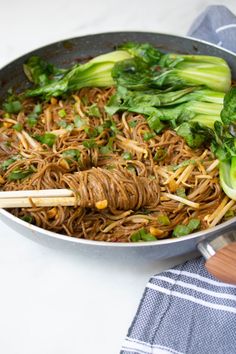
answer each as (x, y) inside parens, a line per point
(217, 25)
(185, 310)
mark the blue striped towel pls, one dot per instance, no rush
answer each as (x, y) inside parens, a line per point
(185, 310)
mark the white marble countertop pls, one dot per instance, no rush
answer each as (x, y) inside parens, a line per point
(56, 300)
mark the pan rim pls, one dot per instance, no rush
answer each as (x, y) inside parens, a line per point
(219, 229)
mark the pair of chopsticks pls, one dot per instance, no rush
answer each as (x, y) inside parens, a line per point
(38, 198)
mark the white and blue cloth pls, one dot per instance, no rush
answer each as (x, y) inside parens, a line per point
(216, 25)
(185, 310)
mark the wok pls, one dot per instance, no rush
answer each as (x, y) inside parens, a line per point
(218, 244)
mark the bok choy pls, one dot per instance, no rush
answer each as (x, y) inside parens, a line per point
(224, 144)
(172, 108)
(170, 70)
(55, 82)
(134, 66)
(221, 133)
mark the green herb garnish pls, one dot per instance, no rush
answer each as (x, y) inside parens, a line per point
(148, 135)
(5, 164)
(69, 127)
(62, 123)
(32, 118)
(193, 224)
(79, 122)
(93, 111)
(180, 192)
(18, 127)
(142, 235)
(229, 214)
(112, 126)
(100, 129)
(160, 154)
(62, 113)
(107, 149)
(91, 132)
(85, 100)
(72, 154)
(163, 220)
(31, 122)
(48, 139)
(133, 123)
(127, 155)
(28, 218)
(183, 230)
(19, 174)
(37, 108)
(131, 169)
(12, 107)
(91, 143)
(183, 164)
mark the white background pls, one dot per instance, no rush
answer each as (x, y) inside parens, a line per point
(59, 300)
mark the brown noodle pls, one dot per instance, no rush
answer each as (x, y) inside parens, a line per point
(138, 190)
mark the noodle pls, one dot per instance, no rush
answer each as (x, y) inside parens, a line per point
(106, 160)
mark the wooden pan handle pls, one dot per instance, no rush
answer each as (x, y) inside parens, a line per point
(223, 264)
(221, 257)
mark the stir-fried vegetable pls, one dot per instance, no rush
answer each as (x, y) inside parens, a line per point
(134, 66)
(18, 127)
(163, 220)
(12, 107)
(47, 139)
(41, 72)
(224, 144)
(142, 235)
(182, 109)
(170, 70)
(20, 174)
(183, 230)
(5, 164)
(94, 73)
(94, 111)
(134, 101)
(71, 154)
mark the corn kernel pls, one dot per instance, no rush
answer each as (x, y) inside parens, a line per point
(172, 186)
(156, 232)
(102, 204)
(53, 101)
(7, 124)
(64, 164)
(52, 213)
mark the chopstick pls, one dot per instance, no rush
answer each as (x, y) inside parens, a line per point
(44, 193)
(41, 198)
(37, 202)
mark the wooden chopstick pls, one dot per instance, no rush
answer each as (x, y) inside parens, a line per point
(38, 202)
(41, 198)
(44, 193)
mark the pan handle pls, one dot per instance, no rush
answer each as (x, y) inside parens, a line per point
(220, 255)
